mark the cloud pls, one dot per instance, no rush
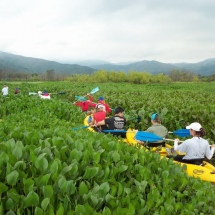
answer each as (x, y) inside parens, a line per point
(123, 30)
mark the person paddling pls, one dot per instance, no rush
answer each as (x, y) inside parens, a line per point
(117, 122)
(158, 129)
(196, 148)
(85, 104)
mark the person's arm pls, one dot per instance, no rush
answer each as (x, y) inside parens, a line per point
(176, 144)
(210, 152)
(100, 123)
(108, 109)
(90, 97)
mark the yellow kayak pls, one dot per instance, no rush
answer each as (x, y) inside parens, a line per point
(205, 172)
(130, 136)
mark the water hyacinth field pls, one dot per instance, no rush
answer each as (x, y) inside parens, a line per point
(48, 168)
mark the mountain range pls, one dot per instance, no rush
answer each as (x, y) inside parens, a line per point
(16, 63)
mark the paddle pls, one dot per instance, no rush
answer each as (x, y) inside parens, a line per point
(181, 132)
(96, 89)
(77, 128)
(61, 93)
(149, 137)
(32, 93)
(81, 98)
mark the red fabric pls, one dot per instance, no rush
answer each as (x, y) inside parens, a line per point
(85, 104)
(99, 116)
(107, 108)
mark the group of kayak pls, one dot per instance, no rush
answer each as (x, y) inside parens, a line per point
(191, 151)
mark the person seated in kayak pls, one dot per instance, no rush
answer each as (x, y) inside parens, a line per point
(196, 148)
(102, 101)
(117, 122)
(16, 91)
(85, 104)
(158, 129)
(42, 96)
(98, 116)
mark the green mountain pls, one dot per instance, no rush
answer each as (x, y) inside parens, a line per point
(16, 63)
(153, 67)
(204, 68)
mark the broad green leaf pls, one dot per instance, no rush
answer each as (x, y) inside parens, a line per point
(10, 212)
(90, 172)
(83, 189)
(44, 180)
(48, 191)
(38, 211)
(54, 167)
(3, 188)
(60, 210)
(9, 204)
(41, 163)
(17, 152)
(28, 185)
(116, 156)
(45, 203)
(12, 177)
(32, 199)
(71, 188)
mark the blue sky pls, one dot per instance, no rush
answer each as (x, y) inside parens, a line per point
(115, 31)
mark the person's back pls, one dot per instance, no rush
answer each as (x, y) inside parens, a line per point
(5, 90)
(116, 122)
(158, 129)
(16, 91)
(196, 148)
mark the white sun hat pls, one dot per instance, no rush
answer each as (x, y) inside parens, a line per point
(194, 126)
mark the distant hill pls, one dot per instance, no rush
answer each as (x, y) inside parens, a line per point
(16, 63)
(204, 68)
(153, 67)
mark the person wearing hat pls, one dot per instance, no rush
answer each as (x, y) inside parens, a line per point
(5, 90)
(16, 91)
(85, 104)
(102, 101)
(158, 129)
(196, 148)
(40, 94)
(98, 116)
(117, 122)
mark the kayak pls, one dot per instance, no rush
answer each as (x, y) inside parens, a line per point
(130, 136)
(205, 171)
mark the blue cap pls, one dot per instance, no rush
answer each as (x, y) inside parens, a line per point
(101, 98)
(153, 116)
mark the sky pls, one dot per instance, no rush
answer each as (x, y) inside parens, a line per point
(116, 31)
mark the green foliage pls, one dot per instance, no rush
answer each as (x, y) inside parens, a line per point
(48, 168)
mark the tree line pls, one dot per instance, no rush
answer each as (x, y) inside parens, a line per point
(102, 76)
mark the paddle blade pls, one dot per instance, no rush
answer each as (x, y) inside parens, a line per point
(181, 132)
(96, 89)
(81, 127)
(147, 136)
(81, 98)
(32, 93)
(114, 131)
(62, 93)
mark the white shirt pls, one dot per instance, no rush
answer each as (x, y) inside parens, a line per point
(195, 148)
(5, 91)
(45, 97)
